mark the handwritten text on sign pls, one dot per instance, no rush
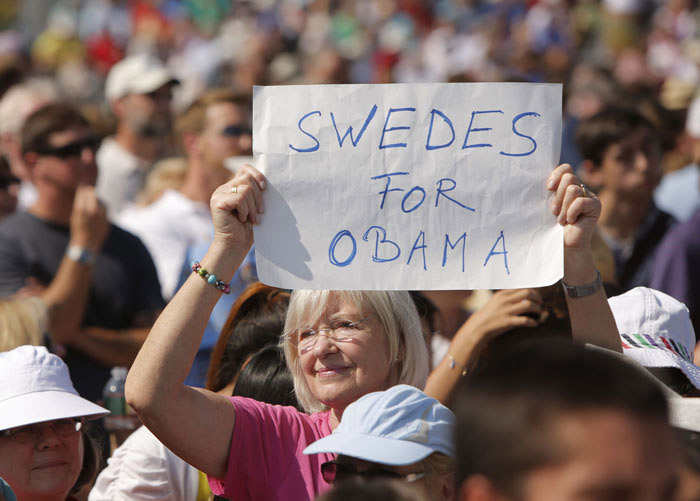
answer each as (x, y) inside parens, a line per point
(420, 186)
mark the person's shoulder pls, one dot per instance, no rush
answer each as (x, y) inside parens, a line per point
(170, 206)
(665, 216)
(321, 419)
(263, 409)
(111, 156)
(122, 237)
(686, 232)
(17, 224)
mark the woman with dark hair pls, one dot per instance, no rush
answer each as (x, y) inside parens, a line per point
(45, 451)
(255, 321)
(265, 377)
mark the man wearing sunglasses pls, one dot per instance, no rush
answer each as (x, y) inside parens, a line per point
(98, 281)
(139, 93)
(214, 127)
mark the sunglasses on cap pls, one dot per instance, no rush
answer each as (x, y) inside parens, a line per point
(73, 149)
(9, 180)
(32, 432)
(333, 472)
(236, 131)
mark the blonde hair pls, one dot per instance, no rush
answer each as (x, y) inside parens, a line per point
(436, 466)
(194, 119)
(395, 311)
(22, 321)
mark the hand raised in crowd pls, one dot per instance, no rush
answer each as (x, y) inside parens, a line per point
(505, 310)
(89, 225)
(237, 205)
(577, 208)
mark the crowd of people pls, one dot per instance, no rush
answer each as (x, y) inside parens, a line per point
(128, 197)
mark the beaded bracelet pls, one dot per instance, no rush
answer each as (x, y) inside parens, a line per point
(219, 284)
(455, 365)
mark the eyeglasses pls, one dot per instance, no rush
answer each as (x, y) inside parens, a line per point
(337, 472)
(73, 149)
(236, 130)
(6, 181)
(32, 432)
(340, 331)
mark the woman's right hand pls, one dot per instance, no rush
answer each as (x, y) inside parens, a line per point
(237, 205)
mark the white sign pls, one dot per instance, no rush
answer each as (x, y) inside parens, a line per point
(408, 186)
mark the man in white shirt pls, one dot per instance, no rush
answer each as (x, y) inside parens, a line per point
(139, 92)
(214, 127)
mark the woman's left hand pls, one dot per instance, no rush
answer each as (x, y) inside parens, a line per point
(577, 208)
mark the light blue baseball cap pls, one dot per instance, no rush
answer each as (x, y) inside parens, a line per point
(398, 426)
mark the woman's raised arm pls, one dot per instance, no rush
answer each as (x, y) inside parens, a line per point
(578, 210)
(196, 424)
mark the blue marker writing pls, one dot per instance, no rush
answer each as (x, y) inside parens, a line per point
(421, 247)
(462, 239)
(441, 192)
(503, 252)
(388, 183)
(349, 130)
(385, 130)
(484, 129)
(312, 148)
(334, 243)
(444, 117)
(517, 133)
(384, 240)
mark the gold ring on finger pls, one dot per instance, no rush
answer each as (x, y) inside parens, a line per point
(234, 189)
(586, 191)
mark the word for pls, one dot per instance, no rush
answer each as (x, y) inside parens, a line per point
(415, 197)
(343, 248)
(396, 130)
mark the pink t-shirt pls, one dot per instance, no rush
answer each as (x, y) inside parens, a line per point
(266, 460)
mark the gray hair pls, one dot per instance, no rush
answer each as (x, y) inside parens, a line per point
(395, 311)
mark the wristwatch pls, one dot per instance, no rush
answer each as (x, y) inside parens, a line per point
(575, 291)
(80, 255)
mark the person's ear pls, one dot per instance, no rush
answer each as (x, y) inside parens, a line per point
(191, 144)
(591, 174)
(478, 488)
(30, 161)
(448, 487)
(118, 107)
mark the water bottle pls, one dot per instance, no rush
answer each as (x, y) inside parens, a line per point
(122, 417)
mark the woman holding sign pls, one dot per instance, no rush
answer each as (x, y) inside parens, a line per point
(340, 345)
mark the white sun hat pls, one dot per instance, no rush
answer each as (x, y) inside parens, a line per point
(35, 386)
(655, 330)
(398, 426)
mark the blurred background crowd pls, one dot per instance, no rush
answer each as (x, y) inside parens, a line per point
(601, 50)
(155, 96)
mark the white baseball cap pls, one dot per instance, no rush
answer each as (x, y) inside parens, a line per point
(398, 426)
(655, 330)
(138, 74)
(685, 413)
(35, 386)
